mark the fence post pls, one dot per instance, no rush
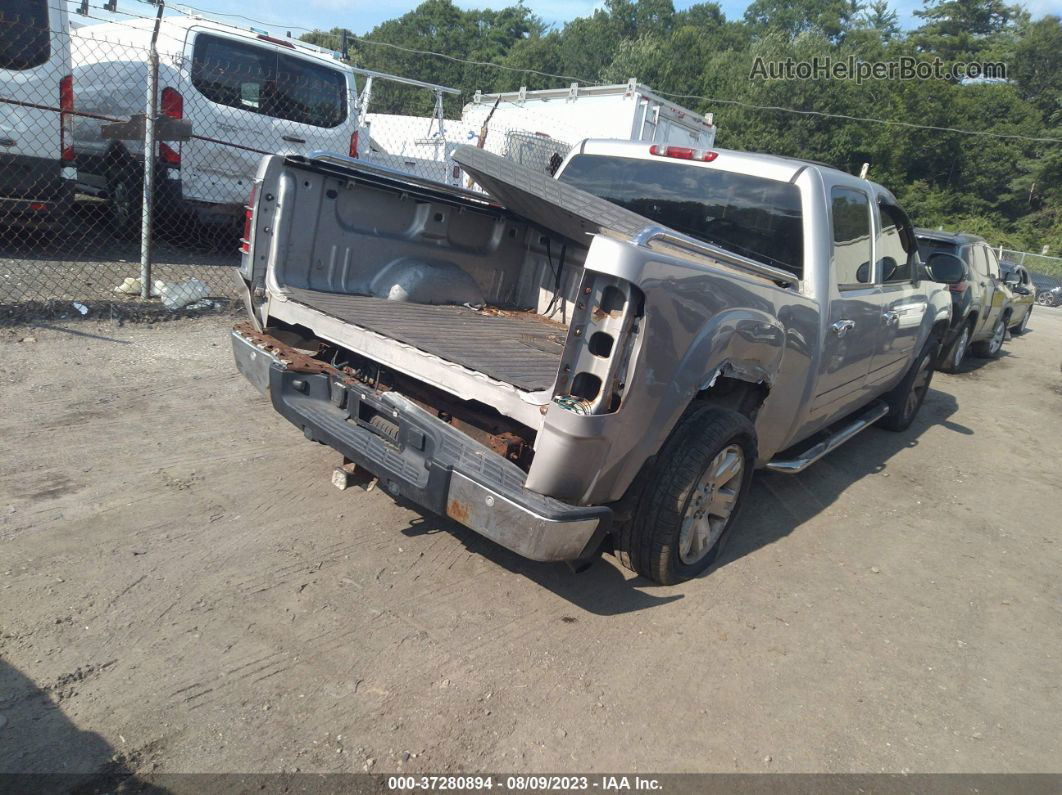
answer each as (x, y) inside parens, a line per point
(150, 114)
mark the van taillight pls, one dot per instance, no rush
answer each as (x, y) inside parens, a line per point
(172, 107)
(683, 153)
(248, 221)
(66, 119)
(354, 144)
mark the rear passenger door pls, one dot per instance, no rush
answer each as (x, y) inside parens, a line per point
(901, 304)
(853, 318)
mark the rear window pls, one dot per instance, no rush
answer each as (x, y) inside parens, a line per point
(758, 218)
(260, 80)
(927, 246)
(25, 40)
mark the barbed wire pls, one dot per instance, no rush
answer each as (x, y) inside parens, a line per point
(672, 95)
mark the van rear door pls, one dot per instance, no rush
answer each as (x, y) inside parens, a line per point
(34, 60)
(256, 97)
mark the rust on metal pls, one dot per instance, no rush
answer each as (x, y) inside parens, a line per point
(501, 435)
(295, 360)
(456, 509)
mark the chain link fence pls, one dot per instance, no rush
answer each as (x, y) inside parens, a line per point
(1034, 263)
(128, 148)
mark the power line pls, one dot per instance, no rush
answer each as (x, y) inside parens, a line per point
(672, 95)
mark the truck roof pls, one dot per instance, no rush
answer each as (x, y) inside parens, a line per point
(776, 167)
(958, 238)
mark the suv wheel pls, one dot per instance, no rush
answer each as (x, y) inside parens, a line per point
(952, 357)
(906, 398)
(1044, 298)
(991, 347)
(690, 497)
(1024, 323)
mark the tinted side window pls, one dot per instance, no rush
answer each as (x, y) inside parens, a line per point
(851, 236)
(309, 94)
(758, 218)
(25, 41)
(895, 249)
(233, 74)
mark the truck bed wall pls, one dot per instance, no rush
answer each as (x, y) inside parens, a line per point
(338, 236)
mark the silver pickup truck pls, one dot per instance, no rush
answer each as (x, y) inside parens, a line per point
(593, 361)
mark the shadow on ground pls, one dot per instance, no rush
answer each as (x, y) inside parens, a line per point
(41, 750)
(776, 506)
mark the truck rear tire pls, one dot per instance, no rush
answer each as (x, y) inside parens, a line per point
(906, 398)
(690, 496)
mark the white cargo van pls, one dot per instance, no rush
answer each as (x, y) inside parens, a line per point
(36, 96)
(245, 93)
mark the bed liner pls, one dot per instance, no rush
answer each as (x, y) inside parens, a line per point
(518, 348)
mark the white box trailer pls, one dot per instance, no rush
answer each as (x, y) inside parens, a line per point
(533, 126)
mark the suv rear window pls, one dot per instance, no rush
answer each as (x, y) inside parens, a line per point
(260, 80)
(928, 245)
(25, 40)
(758, 218)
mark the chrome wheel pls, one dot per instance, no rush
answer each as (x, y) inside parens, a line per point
(919, 387)
(1044, 299)
(711, 504)
(961, 343)
(997, 337)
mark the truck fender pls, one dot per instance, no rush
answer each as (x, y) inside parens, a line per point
(742, 344)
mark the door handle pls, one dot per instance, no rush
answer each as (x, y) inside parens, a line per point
(292, 139)
(842, 327)
(890, 316)
(5, 141)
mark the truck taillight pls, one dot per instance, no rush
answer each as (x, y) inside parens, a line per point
(66, 119)
(959, 287)
(172, 107)
(354, 144)
(248, 221)
(683, 153)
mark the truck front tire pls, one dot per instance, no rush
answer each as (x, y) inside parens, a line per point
(690, 496)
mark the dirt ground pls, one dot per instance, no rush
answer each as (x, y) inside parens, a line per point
(182, 589)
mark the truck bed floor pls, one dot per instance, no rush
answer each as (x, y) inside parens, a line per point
(517, 348)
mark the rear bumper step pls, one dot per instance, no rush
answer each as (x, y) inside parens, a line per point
(431, 463)
(804, 459)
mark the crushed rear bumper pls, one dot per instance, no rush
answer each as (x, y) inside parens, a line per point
(431, 463)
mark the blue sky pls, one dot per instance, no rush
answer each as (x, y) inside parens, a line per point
(361, 16)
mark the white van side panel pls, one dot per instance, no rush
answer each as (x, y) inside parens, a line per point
(32, 132)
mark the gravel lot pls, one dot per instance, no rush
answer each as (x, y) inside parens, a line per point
(184, 590)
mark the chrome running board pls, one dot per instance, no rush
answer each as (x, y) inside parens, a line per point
(791, 466)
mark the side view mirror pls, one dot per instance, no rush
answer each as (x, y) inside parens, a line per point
(945, 268)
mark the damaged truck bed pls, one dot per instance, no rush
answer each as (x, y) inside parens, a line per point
(553, 363)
